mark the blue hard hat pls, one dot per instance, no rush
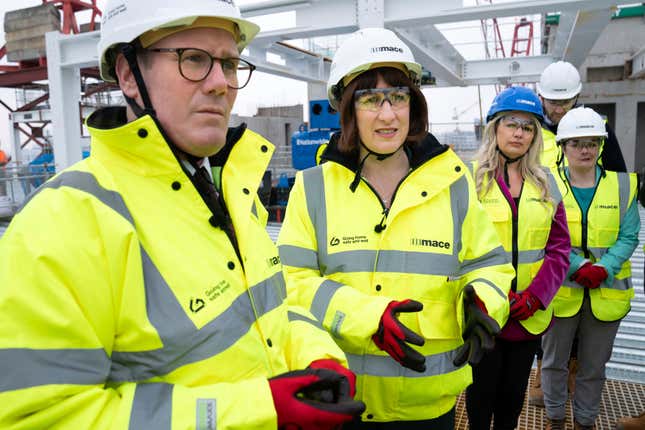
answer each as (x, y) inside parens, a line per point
(516, 99)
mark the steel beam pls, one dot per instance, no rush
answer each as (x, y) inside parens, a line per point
(638, 64)
(505, 70)
(586, 30)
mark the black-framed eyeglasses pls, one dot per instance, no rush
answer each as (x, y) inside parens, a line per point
(195, 64)
(372, 99)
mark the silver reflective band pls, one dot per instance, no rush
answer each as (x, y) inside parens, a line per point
(152, 407)
(24, 368)
(293, 316)
(321, 300)
(298, 257)
(386, 366)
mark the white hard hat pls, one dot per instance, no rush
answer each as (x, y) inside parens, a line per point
(365, 49)
(581, 122)
(559, 81)
(125, 20)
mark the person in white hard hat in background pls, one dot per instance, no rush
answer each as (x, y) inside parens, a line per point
(386, 244)
(558, 88)
(603, 220)
(139, 288)
(523, 201)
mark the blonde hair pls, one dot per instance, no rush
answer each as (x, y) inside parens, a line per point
(488, 161)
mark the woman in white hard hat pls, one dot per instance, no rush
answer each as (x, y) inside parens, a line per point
(603, 219)
(524, 203)
(387, 246)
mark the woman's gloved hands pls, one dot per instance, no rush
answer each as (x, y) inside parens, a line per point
(479, 334)
(523, 304)
(393, 337)
(590, 275)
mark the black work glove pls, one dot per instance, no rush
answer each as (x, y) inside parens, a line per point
(479, 334)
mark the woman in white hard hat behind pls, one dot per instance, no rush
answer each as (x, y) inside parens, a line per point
(386, 243)
(603, 220)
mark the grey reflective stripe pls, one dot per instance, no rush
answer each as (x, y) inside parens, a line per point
(554, 189)
(619, 284)
(623, 193)
(296, 256)
(254, 210)
(386, 366)
(459, 201)
(571, 284)
(86, 182)
(293, 316)
(531, 256)
(184, 344)
(314, 185)
(152, 407)
(494, 257)
(323, 297)
(24, 368)
(489, 283)
(595, 251)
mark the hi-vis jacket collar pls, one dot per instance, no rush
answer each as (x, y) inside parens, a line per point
(427, 149)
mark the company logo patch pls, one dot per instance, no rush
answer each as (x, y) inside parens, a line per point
(273, 261)
(206, 414)
(430, 243)
(334, 241)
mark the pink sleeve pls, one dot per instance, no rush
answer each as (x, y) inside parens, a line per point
(556, 260)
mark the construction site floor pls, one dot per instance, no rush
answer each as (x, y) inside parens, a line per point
(619, 399)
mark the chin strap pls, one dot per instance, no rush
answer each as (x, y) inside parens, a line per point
(509, 160)
(379, 157)
(130, 54)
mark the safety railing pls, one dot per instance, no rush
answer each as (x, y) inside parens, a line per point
(17, 182)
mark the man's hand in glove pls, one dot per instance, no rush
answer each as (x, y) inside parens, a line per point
(339, 368)
(590, 275)
(479, 334)
(523, 305)
(393, 337)
(316, 399)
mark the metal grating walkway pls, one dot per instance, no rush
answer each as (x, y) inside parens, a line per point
(619, 399)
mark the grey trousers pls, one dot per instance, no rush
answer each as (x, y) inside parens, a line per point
(595, 342)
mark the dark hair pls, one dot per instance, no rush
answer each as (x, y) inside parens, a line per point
(348, 142)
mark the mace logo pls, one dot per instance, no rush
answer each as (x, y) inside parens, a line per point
(607, 206)
(334, 241)
(430, 243)
(196, 305)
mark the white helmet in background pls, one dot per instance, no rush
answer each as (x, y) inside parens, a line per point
(363, 50)
(581, 122)
(125, 20)
(559, 81)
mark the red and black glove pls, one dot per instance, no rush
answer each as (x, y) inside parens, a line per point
(316, 399)
(339, 368)
(590, 275)
(393, 337)
(479, 334)
(523, 305)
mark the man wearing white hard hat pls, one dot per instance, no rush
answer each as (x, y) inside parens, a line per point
(603, 220)
(558, 88)
(139, 288)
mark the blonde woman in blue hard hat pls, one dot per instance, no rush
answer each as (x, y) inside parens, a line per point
(386, 244)
(524, 203)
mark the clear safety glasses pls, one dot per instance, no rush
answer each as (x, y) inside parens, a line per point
(514, 123)
(564, 104)
(195, 64)
(372, 99)
(580, 144)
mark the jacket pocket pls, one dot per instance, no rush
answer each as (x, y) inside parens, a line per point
(438, 320)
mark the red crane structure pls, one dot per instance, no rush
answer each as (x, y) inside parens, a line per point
(26, 73)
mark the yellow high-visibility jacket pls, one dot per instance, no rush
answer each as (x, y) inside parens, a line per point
(433, 241)
(592, 240)
(122, 307)
(551, 150)
(526, 237)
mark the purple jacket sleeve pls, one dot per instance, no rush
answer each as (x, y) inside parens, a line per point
(551, 275)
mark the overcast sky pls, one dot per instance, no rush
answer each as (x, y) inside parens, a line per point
(267, 90)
